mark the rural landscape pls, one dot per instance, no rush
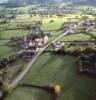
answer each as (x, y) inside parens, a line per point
(47, 50)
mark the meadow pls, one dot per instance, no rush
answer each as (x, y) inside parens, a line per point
(50, 69)
(54, 70)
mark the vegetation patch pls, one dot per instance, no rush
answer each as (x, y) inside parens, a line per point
(86, 61)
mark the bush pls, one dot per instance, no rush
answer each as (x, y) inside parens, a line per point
(6, 61)
(51, 21)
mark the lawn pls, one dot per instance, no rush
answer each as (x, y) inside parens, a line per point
(56, 69)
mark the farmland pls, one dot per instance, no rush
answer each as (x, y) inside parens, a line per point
(49, 69)
(74, 86)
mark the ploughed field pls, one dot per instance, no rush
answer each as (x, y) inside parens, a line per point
(52, 69)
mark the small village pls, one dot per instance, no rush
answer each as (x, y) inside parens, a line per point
(47, 51)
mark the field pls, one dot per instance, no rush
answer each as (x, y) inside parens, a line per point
(5, 51)
(74, 37)
(56, 70)
(5, 36)
(50, 69)
(46, 24)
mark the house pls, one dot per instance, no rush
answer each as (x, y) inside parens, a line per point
(36, 32)
(39, 42)
(23, 42)
(30, 52)
(45, 39)
(58, 46)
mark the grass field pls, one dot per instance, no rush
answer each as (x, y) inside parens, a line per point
(13, 33)
(56, 24)
(5, 50)
(51, 69)
(56, 70)
(29, 94)
(46, 24)
(80, 36)
(93, 32)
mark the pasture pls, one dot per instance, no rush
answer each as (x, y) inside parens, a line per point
(56, 70)
(50, 69)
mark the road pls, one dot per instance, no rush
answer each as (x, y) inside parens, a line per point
(17, 80)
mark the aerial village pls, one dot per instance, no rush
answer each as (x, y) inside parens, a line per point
(32, 42)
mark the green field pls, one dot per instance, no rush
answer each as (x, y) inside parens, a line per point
(50, 69)
(56, 70)
(29, 94)
(93, 32)
(56, 24)
(13, 33)
(5, 50)
(76, 36)
(46, 24)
